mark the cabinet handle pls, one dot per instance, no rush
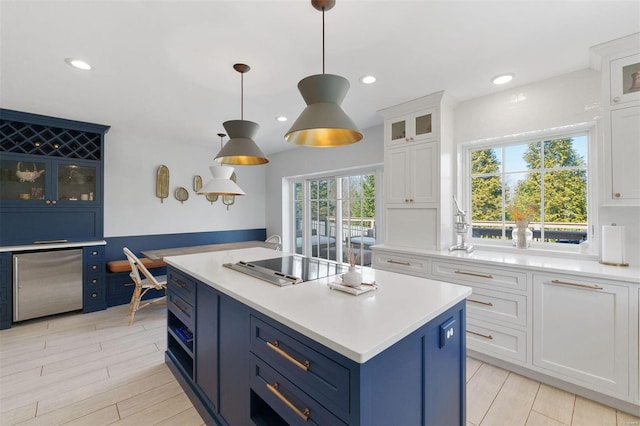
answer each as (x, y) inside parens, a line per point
(486, 336)
(480, 302)
(93, 281)
(47, 202)
(399, 262)
(276, 347)
(94, 267)
(616, 99)
(592, 287)
(617, 195)
(179, 283)
(304, 414)
(53, 201)
(180, 308)
(50, 241)
(93, 295)
(129, 284)
(474, 274)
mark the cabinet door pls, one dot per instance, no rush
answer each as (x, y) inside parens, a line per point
(207, 343)
(396, 175)
(24, 182)
(6, 294)
(423, 168)
(625, 79)
(423, 125)
(581, 331)
(625, 153)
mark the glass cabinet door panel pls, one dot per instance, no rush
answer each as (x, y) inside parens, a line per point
(22, 180)
(398, 130)
(76, 182)
(423, 124)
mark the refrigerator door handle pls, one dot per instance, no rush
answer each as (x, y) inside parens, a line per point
(15, 287)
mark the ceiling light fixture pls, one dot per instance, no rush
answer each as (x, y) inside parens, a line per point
(78, 63)
(221, 184)
(323, 123)
(502, 79)
(367, 79)
(241, 149)
(281, 118)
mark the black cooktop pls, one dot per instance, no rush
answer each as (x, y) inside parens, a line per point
(289, 269)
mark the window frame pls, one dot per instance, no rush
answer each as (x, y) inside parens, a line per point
(464, 186)
(304, 180)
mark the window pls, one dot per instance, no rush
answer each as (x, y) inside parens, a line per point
(335, 215)
(542, 181)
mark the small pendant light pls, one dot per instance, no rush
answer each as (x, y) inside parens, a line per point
(221, 184)
(241, 149)
(323, 123)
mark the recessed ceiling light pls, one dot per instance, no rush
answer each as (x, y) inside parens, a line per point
(367, 79)
(502, 78)
(77, 63)
(281, 118)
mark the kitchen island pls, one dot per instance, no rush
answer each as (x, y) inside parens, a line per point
(247, 351)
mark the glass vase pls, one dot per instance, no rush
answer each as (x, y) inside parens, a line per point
(522, 235)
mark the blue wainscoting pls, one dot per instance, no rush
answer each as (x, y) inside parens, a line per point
(119, 289)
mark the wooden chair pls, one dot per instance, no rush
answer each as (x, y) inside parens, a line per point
(143, 285)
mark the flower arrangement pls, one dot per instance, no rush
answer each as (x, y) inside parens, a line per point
(352, 257)
(522, 214)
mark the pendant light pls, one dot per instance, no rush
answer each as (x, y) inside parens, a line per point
(221, 184)
(241, 149)
(323, 123)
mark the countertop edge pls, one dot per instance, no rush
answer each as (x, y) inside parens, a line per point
(53, 246)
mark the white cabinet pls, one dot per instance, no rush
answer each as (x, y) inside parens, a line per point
(409, 171)
(581, 331)
(413, 127)
(620, 65)
(625, 153)
(418, 168)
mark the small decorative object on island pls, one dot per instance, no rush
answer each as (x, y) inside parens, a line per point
(352, 278)
(28, 176)
(461, 227)
(521, 234)
(162, 183)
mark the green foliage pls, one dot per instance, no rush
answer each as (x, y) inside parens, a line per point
(486, 191)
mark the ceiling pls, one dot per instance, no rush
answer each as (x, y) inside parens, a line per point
(164, 68)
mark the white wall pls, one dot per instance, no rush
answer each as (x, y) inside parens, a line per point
(561, 101)
(304, 160)
(131, 207)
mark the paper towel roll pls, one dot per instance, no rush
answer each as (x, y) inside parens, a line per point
(612, 245)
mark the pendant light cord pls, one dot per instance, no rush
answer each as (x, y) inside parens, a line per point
(322, 39)
(241, 96)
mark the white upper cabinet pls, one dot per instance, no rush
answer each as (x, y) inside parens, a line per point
(410, 174)
(414, 127)
(620, 65)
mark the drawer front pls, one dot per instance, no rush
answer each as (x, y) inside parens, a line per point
(401, 263)
(495, 305)
(182, 285)
(181, 309)
(317, 375)
(492, 339)
(286, 399)
(480, 275)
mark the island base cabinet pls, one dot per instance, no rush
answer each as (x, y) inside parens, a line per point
(420, 380)
(581, 331)
(206, 348)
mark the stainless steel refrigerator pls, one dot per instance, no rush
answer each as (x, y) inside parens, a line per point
(46, 283)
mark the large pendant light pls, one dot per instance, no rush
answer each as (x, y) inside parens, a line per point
(323, 123)
(221, 184)
(241, 149)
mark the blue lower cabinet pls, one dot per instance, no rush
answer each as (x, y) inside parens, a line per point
(251, 369)
(94, 289)
(6, 291)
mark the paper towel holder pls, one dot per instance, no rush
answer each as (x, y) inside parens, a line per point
(609, 263)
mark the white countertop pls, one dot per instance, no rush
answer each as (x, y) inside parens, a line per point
(527, 260)
(52, 246)
(358, 327)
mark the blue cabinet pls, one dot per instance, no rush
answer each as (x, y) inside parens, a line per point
(251, 369)
(94, 297)
(6, 295)
(51, 179)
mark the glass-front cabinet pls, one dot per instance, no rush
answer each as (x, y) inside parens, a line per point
(412, 128)
(39, 181)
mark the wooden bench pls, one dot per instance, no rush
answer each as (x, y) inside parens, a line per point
(124, 266)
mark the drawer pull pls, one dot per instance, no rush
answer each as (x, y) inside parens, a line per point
(399, 262)
(179, 283)
(480, 302)
(180, 308)
(129, 284)
(276, 347)
(486, 336)
(474, 274)
(592, 287)
(304, 414)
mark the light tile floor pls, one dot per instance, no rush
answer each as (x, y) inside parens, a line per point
(94, 369)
